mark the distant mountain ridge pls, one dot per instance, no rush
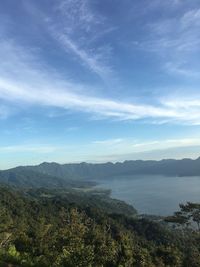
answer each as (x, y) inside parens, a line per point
(55, 175)
(168, 167)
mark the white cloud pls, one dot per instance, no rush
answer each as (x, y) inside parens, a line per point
(180, 69)
(75, 31)
(175, 39)
(78, 13)
(109, 141)
(136, 146)
(110, 149)
(150, 149)
(23, 80)
(91, 60)
(75, 25)
(184, 103)
(191, 18)
(124, 149)
(65, 98)
(165, 144)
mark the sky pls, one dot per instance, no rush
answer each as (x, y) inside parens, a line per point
(99, 80)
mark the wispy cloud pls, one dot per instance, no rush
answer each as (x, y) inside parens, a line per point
(128, 148)
(108, 141)
(78, 13)
(76, 30)
(67, 99)
(178, 68)
(175, 39)
(191, 18)
(110, 149)
(23, 79)
(165, 144)
(26, 79)
(149, 149)
(94, 61)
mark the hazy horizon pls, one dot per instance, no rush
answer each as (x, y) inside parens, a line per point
(99, 162)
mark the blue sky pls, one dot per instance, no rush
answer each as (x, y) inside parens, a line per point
(99, 80)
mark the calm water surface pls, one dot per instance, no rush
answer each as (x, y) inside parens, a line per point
(157, 195)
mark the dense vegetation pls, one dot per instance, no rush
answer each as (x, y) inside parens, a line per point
(46, 228)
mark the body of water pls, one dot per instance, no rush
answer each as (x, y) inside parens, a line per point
(157, 195)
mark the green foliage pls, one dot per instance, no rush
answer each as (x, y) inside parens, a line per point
(188, 215)
(41, 229)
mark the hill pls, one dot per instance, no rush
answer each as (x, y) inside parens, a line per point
(41, 231)
(25, 177)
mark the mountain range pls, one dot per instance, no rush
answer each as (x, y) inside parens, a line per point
(168, 167)
(78, 174)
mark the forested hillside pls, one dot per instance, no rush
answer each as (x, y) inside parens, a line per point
(42, 228)
(27, 178)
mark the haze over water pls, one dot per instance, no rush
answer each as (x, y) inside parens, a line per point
(157, 195)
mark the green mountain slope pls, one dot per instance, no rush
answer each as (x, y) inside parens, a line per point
(41, 231)
(23, 177)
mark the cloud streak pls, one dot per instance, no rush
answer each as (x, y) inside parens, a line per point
(176, 111)
(24, 80)
(109, 141)
(175, 39)
(64, 98)
(149, 149)
(93, 62)
(102, 148)
(75, 32)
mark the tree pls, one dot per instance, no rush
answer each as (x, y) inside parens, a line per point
(188, 215)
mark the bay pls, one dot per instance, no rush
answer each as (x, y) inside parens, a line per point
(158, 195)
